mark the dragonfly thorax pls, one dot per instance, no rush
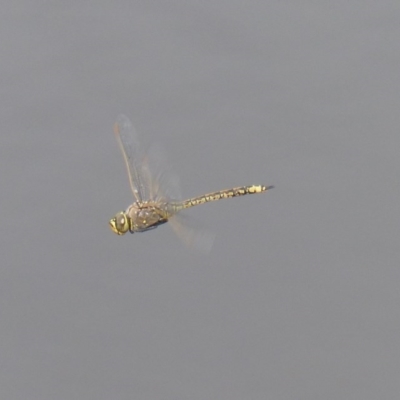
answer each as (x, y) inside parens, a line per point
(145, 216)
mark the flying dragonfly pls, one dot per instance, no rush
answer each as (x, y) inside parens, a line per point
(155, 191)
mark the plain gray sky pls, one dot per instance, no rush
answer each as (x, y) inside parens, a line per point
(299, 297)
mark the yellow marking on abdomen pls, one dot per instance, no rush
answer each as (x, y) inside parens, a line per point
(222, 194)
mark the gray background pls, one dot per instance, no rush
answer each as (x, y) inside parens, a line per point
(299, 297)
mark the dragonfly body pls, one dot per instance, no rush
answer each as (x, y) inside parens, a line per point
(140, 217)
(152, 206)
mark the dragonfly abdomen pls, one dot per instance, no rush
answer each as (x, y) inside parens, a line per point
(223, 194)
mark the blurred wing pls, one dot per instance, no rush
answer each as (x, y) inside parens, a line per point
(127, 141)
(163, 185)
(191, 233)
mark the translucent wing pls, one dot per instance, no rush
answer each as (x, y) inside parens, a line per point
(163, 184)
(189, 231)
(133, 156)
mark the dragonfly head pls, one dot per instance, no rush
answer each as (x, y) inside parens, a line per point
(119, 224)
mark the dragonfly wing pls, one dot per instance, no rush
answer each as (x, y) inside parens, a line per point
(163, 183)
(191, 233)
(133, 156)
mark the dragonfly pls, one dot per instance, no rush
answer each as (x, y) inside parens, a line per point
(156, 191)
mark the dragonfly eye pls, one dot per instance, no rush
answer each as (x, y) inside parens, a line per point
(119, 224)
